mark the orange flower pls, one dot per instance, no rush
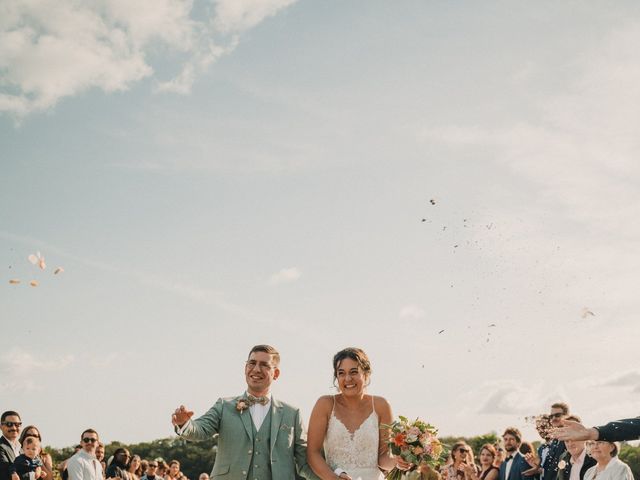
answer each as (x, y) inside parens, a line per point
(399, 440)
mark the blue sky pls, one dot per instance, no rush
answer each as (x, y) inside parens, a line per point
(220, 174)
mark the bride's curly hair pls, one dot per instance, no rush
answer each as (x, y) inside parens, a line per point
(355, 354)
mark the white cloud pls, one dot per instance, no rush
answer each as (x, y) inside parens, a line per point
(20, 369)
(411, 312)
(286, 275)
(53, 49)
(240, 15)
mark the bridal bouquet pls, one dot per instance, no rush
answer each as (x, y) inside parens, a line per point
(416, 442)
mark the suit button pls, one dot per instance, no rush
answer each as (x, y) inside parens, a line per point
(249, 452)
(244, 473)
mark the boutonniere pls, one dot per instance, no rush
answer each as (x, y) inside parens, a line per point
(562, 464)
(241, 405)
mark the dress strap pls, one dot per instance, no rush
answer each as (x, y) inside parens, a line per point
(333, 409)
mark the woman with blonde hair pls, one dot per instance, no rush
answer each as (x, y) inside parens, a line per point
(609, 466)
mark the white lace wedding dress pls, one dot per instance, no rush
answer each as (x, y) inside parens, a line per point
(357, 452)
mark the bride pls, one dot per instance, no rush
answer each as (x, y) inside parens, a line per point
(347, 426)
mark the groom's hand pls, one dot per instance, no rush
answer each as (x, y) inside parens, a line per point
(181, 416)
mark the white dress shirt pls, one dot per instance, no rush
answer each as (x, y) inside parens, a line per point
(576, 465)
(507, 468)
(84, 466)
(15, 446)
(259, 412)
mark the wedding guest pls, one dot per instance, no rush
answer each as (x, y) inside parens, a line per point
(203, 476)
(10, 424)
(609, 466)
(152, 469)
(45, 458)
(487, 471)
(100, 457)
(119, 465)
(348, 427)
(559, 411)
(174, 471)
(462, 465)
(428, 473)
(62, 467)
(500, 454)
(616, 431)
(84, 465)
(27, 465)
(163, 468)
(515, 464)
(134, 467)
(575, 462)
(144, 464)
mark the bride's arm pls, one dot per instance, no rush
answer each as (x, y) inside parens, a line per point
(386, 461)
(315, 438)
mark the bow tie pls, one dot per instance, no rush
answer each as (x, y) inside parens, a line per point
(253, 400)
(510, 457)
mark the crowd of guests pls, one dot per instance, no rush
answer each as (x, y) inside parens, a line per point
(22, 458)
(514, 459)
(511, 458)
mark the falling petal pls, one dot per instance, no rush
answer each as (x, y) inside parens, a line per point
(586, 312)
(33, 259)
(41, 264)
(440, 332)
(432, 201)
(492, 325)
(58, 270)
(14, 281)
(34, 283)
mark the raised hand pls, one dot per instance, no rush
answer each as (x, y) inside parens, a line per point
(181, 416)
(571, 430)
(532, 460)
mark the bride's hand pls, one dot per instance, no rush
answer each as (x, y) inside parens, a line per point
(402, 465)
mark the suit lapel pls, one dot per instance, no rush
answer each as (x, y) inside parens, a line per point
(276, 420)
(245, 416)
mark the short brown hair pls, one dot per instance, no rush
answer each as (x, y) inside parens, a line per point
(489, 448)
(513, 431)
(575, 418)
(563, 406)
(275, 355)
(355, 354)
(89, 430)
(457, 445)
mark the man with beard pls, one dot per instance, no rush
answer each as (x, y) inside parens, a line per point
(10, 424)
(515, 465)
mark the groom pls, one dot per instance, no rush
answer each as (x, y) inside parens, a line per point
(259, 437)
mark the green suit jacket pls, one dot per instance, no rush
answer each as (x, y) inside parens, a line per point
(288, 449)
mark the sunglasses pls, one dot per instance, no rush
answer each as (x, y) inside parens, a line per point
(89, 440)
(556, 415)
(152, 465)
(12, 424)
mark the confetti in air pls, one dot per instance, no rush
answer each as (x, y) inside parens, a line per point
(432, 201)
(58, 270)
(38, 260)
(14, 281)
(34, 283)
(587, 313)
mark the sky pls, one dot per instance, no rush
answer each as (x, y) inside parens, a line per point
(452, 186)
